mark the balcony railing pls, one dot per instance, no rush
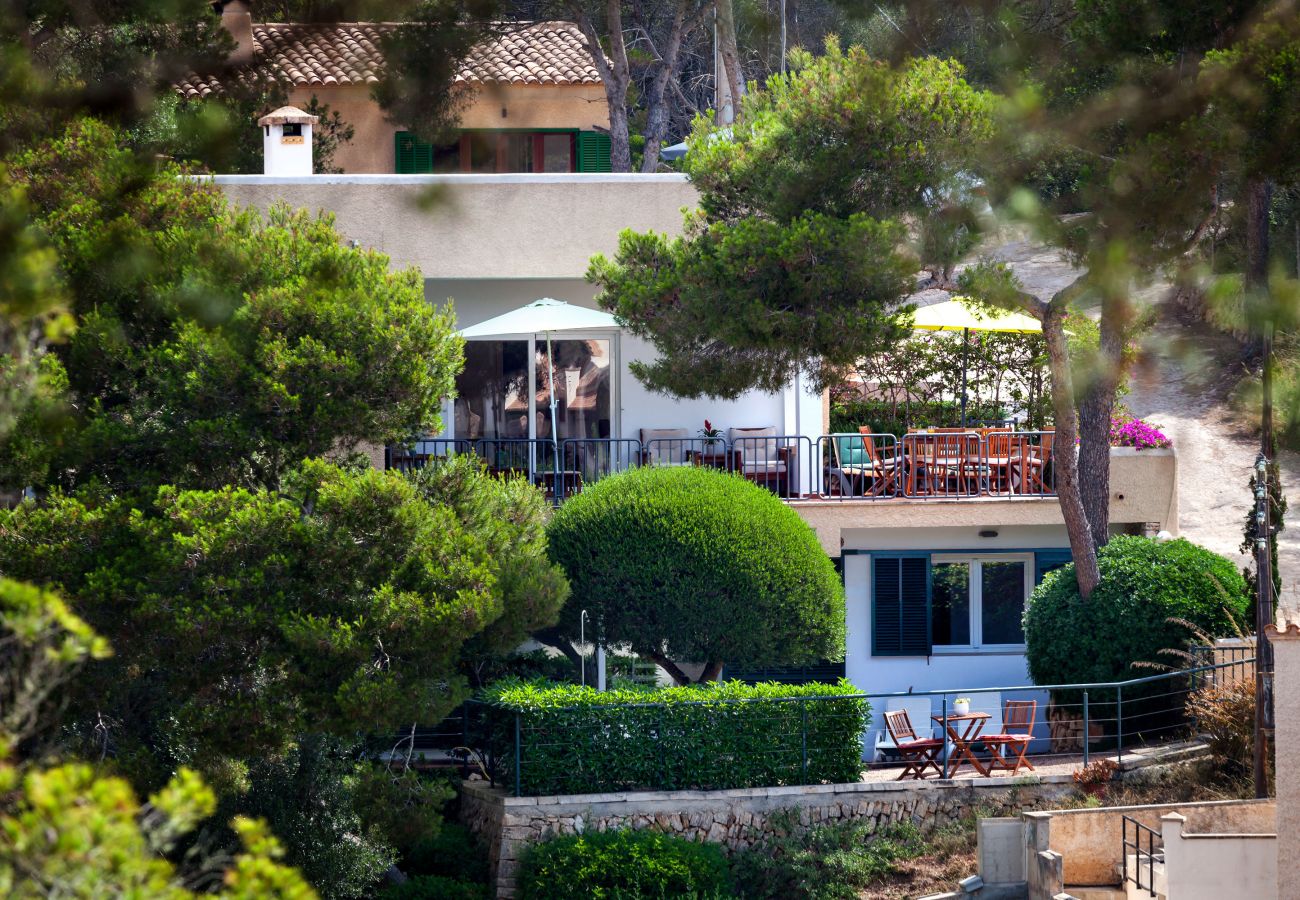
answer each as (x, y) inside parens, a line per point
(942, 465)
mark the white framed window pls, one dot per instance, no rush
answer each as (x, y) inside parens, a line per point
(978, 601)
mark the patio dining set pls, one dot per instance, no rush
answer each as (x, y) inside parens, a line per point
(964, 733)
(944, 462)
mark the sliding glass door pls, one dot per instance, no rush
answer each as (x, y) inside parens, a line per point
(503, 396)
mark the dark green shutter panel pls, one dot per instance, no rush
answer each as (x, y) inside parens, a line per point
(1046, 560)
(900, 600)
(412, 157)
(593, 152)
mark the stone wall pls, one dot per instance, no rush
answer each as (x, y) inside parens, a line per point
(738, 818)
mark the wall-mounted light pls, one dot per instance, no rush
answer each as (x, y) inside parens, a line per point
(503, 112)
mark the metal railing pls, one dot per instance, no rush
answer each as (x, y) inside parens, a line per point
(1143, 860)
(1110, 718)
(942, 465)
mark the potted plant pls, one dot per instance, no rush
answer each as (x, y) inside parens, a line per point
(961, 706)
(1093, 778)
(710, 434)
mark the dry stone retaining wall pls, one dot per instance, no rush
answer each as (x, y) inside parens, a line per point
(738, 818)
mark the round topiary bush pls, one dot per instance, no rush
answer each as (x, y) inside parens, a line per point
(630, 864)
(689, 564)
(1127, 620)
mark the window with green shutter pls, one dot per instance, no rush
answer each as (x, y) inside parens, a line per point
(900, 603)
(412, 157)
(593, 152)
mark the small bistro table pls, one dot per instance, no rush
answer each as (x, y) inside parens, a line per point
(963, 737)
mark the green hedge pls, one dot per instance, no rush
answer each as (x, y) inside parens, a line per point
(576, 740)
(628, 865)
(889, 418)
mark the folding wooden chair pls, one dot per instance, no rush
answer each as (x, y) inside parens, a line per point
(1017, 732)
(918, 753)
(1033, 479)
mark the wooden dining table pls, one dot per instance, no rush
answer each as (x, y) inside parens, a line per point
(964, 730)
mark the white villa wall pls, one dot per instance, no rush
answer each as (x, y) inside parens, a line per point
(476, 300)
(967, 671)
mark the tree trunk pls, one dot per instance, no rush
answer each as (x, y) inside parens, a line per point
(674, 671)
(1259, 198)
(614, 73)
(1065, 450)
(669, 63)
(712, 671)
(552, 637)
(730, 54)
(1096, 406)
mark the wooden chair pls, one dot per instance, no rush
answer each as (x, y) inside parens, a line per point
(919, 754)
(1033, 472)
(1017, 732)
(1008, 456)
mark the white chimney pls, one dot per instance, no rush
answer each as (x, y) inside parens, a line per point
(237, 19)
(286, 141)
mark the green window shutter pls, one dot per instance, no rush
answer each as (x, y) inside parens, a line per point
(1047, 560)
(900, 603)
(593, 152)
(411, 156)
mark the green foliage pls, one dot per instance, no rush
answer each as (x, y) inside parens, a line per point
(830, 862)
(797, 260)
(623, 864)
(509, 516)
(1124, 627)
(691, 564)
(42, 643)
(68, 832)
(435, 887)
(452, 853)
(706, 737)
(244, 618)
(215, 347)
(308, 798)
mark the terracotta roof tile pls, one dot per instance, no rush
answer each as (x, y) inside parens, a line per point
(350, 53)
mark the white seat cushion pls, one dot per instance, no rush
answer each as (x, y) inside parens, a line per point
(666, 446)
(752, 450)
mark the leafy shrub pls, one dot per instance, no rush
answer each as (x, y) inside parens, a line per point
(623, 864)
(885, 417)
(435, 887)
(832, 862)
(452, 852)
(691, 564)
(1125, 626)
(708, 737)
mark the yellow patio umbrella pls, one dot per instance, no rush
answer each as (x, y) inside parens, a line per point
(958, 314)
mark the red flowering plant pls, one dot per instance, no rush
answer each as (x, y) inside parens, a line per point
(710, 434)
(1127, 430)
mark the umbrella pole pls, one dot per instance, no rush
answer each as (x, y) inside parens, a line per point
(965, 342)
(555, 441)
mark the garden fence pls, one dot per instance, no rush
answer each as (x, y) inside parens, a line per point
(792, 740)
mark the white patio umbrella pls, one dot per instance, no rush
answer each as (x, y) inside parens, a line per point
(958, 315)
(544, 316)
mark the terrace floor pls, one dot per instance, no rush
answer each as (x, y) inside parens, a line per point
(1059, 763)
